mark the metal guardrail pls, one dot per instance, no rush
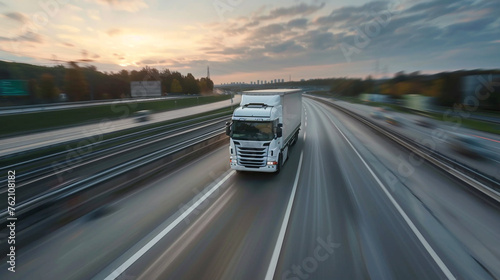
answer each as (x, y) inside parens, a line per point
(478, 180)
(36, 108)
(44, 171)
(92, 145)
(52, 196)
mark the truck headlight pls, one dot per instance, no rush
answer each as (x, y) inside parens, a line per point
(272, 163)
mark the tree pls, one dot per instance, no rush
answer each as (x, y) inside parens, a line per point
(451, 90)
(75, 83)
(203, 85)
(210, 85)
(369, 84)
(403, 88)
(166, 80)
(387, 88)
(191, 85)
(435, 89)
(4, 74)
(47, 88)
(176, 86)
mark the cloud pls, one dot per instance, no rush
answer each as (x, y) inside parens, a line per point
(229, 51)
(113, 32)
(419, 33)
(19, 17)
(284, 47)
(416, 32)
(268, 30)
(76, 18)
(300, 9)
(353, 15)
(298, 23)
(125, 5)
(67, 28)
(474, 26)
(94, 14)
(148, 61)
(26, 37)
(318, 40)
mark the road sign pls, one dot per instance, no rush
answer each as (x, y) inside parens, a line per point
(145, 89)
(13, 88)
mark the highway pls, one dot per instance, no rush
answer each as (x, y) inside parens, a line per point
(343, 207)
(440, 136)
(88, 132)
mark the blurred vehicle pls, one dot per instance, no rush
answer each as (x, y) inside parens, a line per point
(378, 113)
(392, 119)
(467, 145)
(424, 122)
(63, 97)
(142, 116)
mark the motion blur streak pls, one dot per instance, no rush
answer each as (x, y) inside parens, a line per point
(419, 235)
(484, 138)
(164, 232)
(284, 225)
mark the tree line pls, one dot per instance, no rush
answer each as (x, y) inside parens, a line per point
(87, 83)
(447, 87)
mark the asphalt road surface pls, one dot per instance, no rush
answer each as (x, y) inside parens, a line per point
(345, 206)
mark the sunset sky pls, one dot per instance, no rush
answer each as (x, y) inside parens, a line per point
(243, 40)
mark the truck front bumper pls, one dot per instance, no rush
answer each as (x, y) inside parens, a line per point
(267, 168)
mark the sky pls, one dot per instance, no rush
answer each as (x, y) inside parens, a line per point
(250, 40)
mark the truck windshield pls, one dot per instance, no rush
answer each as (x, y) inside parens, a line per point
(258, 131)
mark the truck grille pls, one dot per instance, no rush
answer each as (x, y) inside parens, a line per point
(251, 157)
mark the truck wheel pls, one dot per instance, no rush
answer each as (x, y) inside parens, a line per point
(280, 164)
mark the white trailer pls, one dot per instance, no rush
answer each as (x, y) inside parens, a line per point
(263, 128)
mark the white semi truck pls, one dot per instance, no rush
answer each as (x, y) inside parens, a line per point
(263, 128)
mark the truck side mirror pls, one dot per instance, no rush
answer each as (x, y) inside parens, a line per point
(279, 130)
(228, 128)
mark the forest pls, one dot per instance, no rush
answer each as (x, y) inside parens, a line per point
(87, 83)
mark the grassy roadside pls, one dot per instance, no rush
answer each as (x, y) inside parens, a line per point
(466, 122)
(78, 143)
(15, 124)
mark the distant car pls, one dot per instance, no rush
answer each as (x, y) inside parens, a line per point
(391, 119)
(377, 113)
(467, 145)
(63, 97)
(142, 116)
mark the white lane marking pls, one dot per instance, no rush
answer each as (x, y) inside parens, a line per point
(117, 272)
(281, 236)
(412, 226)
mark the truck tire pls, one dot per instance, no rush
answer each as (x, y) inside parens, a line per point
(280, 164)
